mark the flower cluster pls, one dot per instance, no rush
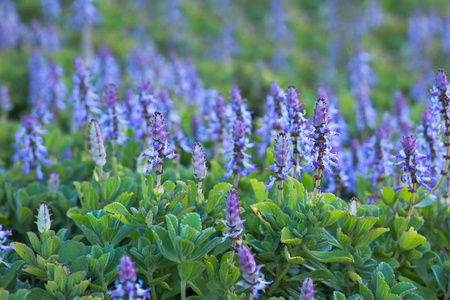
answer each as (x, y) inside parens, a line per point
(253, 279)
(282, 162)
(85, 12)
(307, 292)
(321, 157)
(105, 68)
(97, 145)
(441, 102)
(126, 287)
(412, 165)
(30, 147)
(198, 162)
(233, 222)
(158, 146)
(85, 100)
(3, 248)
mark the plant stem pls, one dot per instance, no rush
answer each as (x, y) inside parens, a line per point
(280, 189)
(236, 180)
(183, 290)
(199, 193)
(317, 184)
(295, 165)
(158, 178)
(411, 206)
(251, 295)
(114, 157)
(100, 175)
(277, 282)
(232, 252)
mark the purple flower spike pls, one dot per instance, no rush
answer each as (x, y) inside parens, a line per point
(112, 120)
(412, 165)
(158, 145)
(198, 162)
(253, 279)
(96, 141)
(440, 102)
(321, 157)
(307, 292)
(233, 221)
(282, 162)
(126, 286)
(429, 141)
(238, 160)
(3, 235)
(30, 148)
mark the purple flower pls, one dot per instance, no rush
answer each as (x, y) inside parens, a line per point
(112, 121)
(401, 113)
(105, 68)
(446, 35)
(38, 76)
(3, 248)
(440, 102)
(307, 292)
(158, 146)
(237, 109)
(429, 141)
(85, 100)
(10, 25)
(282, 160)
(198, 162)
(233, 222)
(320, 155)
(361, 79)
(238, 160)
(29, 146)
(5, 102)
(274, 119)
(412, 165)
(376, 157)
(374, 14)
(51, 9)
(57, 88)
(126, 286)
(85, 12)
(253, 279)
(96, 142)
(41, 113)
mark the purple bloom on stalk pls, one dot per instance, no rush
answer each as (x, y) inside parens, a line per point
(275, 117)
(282, 161)
(198, 162)
(105, 68)
(320, 156)
(51, 9)
(253, 279)
(96, 142)
(237, 109)
(307, 292)
(29, 146)
(112, 121)
(215, 119)
(10, 25)
(38, 76)
(233, 221)
(440, 102)
(296, 128)
(126, 286)
(401, 113)
(57, 88)
(41, 112)
(446, 35)
(5, 100)
(85, 12)
(238, 160)
(85, 100)
(430, 142)
(3, 235)
(158, 146)
(412, 165)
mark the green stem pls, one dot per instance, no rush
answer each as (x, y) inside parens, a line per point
(183, 290)
(236, 180)
(114, 157)
(153, 290)
(277, 282)
(199, 193)
(280, 189)
(411, 206)
(317, 184)
(232, 252)
(251, 295)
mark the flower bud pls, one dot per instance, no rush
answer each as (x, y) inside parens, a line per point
(43, 218)
(53, 183)
(198, 162)
(97, 147)
(320, 116)
(308, 292)
(126, 270)
(352, 206)
(441, 80)
(233, 221)
(408, 144)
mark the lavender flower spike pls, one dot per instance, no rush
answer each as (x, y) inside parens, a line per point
(198, 162)
(96, 141)
(126, 286)
(412, 165)
(233, 221)
(43, 218)
(253, 279)
(30, 148)
(441, 101)
(3, 235)
(307, 292)
(282, 162)
(158, 146)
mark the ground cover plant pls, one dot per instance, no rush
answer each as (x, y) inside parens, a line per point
(132, 166)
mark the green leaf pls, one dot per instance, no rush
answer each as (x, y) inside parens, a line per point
(439, 274)
(388, 196)
(110, 187)
(71, 250)
(259, 189)
(35, 242)
(61, 275)
(165, 243)
(338, 296)
(11, 274)
(428, 201)
(229, 274)
(25, 253)
(212, 203)
(90, 196)
(296, 260)
(370, 236)
(365, 292)
(188, 270)
(50, 246)
(332, 256)
(183, 247)
(411, 239)
(382, 289)
(193, 220)
(402, 288)
(331, 216)
(387, 273)
(287, 237)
